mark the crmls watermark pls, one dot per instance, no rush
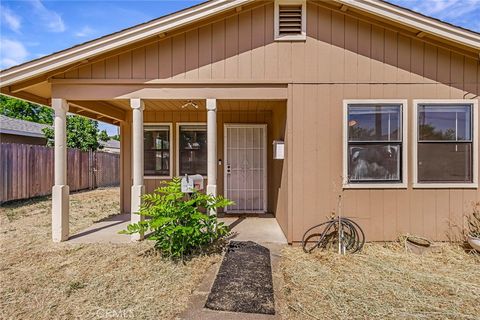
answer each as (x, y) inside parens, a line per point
(114, 313)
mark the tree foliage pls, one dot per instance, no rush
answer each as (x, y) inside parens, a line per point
(19, 109)
(82, 133)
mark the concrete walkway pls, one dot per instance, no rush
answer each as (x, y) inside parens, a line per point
(263, 229)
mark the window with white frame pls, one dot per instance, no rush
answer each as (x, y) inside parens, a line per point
(192, 149)
(374, 143)
(290, 20)
(445, 143)
(157, 154)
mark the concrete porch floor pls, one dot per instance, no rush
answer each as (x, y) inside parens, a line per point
(264, 229)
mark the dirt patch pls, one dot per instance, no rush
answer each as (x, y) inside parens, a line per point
(244, 280)
(382, 282)
(43, 280)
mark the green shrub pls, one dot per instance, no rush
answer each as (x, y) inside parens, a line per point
(178, 223)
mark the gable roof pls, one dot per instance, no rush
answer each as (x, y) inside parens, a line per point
(77, 55)
(21, 127)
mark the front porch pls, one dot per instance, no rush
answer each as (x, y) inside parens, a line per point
(227, 141)
(262, 229)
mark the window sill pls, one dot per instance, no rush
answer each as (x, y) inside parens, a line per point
(375, 186)
(445, 185)
(157, 177)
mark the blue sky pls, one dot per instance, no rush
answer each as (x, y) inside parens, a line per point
(33, 28)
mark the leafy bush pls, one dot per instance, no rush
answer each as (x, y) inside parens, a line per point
(178, 223)
(473, 221)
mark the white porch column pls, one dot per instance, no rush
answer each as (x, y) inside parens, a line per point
(212, 147)
(60, 191)
(138, 187)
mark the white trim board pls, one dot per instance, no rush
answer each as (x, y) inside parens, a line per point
(372, 185)
(449, 185)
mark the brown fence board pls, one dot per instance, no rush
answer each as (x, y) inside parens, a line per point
(27, 171)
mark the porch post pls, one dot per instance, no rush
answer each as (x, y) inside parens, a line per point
(60, 190)
(138, 187)
(212, 147)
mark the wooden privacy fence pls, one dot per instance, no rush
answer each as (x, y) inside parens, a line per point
(27, 170)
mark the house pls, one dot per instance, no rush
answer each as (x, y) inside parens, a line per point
(281, 105)
(21, 131)
(111, 146)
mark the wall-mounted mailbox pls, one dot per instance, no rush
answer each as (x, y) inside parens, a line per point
(192, 182)
(278, 149)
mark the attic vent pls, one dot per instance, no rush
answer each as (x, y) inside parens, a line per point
(290, 20)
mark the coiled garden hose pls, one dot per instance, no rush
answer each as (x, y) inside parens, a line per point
(351, 236)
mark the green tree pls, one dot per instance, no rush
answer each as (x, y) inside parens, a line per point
(82, 133)
(115, 137)
(19, 109)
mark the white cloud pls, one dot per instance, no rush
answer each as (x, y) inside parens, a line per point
(84, 32)
(443, 9)
(12, 52)
(10, 19)
(53, 21)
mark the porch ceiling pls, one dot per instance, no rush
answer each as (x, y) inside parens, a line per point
(222, 105)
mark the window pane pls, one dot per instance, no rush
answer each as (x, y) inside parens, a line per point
(156, 151)
(445, 162)
(374, 123)
(193, 150)
(444, 123)
(374, 162)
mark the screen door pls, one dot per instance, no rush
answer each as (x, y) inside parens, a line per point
(246, 167)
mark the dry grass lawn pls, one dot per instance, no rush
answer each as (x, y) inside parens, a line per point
(43, 280)
(382, 282)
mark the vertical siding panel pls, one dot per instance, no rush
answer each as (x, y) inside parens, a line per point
(336, 140)
(324, 44)
(322, 133)
(403, 59)
(298, 61)
(442, 213)
(138, 63)
(311, 44)
(351, 49)
(85, 72)
(178, 56)
(284, 60)
(98, 70)
(231, 47)
(416, 62)
(364, 36)
(111, 68)
(337, 59)
(271, 53)
(470, 76)
(258, 43)
(218, 50)
(391, 59)
(191, 47)
(72, 74)
(377, 67)
(125, 65)
(456, 70)
(205, 52)
(165, 58)
(443, 66)
(297, 158)
(245, 45)
(151, 61)
(430, 62)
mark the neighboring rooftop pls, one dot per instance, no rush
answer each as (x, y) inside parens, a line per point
(111, 144)
(21, 127)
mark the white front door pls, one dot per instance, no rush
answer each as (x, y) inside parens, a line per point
(245, 172)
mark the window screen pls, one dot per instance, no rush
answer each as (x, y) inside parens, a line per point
(445, 146)
(156, 150)
(374, 143)
(193, 149)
